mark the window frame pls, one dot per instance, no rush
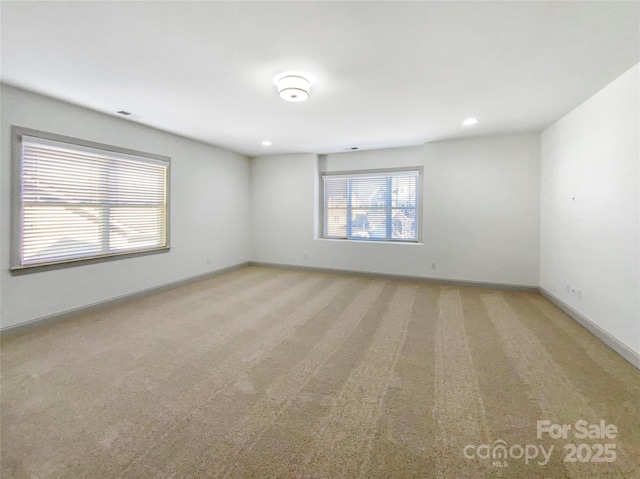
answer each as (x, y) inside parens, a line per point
(17, 132)
(375, 172)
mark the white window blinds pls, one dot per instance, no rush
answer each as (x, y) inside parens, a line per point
(79, 202)
(374, 206)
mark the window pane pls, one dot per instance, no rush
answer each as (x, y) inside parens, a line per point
(335, 207)
(369, 192)
(404, 224)
(404, 190)
(54, 174)
(55, 233)
(135, 228)
(137, 184)
(335, 192)
(368, 223)
(335, 224)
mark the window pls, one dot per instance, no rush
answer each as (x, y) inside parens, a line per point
(75, 200)
(371, 205)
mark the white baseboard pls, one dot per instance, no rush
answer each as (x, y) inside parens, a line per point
(400, 277)
(622, 349)
(72, 313)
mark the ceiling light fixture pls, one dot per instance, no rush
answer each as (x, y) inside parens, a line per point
(266, 143)
(470, 121)
(294, 88)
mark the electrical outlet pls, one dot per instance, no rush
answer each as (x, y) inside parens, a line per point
(433, 265)
(573, 290)
(305, 256)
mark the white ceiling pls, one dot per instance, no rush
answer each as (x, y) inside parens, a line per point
(384, 74)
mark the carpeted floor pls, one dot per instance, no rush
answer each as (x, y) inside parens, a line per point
(262, 373)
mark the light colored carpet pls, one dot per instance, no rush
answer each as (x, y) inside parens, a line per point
(276, 373)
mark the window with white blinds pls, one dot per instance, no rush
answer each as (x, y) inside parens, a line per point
(78, 202)
(371, 205)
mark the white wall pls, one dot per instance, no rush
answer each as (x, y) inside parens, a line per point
(590, 210)
(209, 211)
(480, 217)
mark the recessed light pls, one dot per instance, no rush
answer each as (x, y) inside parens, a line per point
(470, 121)
(266, 143)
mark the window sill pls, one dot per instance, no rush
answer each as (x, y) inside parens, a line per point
(402, 243)
(37, 268)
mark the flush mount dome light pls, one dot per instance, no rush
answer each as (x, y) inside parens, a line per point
(294, 88)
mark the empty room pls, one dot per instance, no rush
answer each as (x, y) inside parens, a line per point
(319, 239)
